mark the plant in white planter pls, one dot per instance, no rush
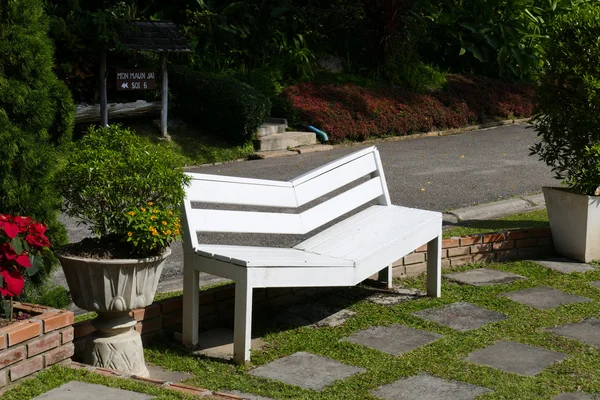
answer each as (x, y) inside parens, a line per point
(568, 124)
(127, 191)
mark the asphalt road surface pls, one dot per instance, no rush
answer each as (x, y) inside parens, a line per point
(435, 173)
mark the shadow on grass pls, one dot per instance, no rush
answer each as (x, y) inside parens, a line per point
(194, 145)
(305, 313)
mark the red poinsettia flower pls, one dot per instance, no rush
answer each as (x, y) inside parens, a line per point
(13, 282)
(23, 260)
(9, 252)
(37, 240)
(38, 228)
(10, 229)
(22, 222)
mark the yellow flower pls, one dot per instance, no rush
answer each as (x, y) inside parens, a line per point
(170, 212)
(168, 231)
(152, 229)
(155, 210)
(177, 231)
(164, 222)
(132, 213)
(153, 218)
(143, 209)
(150, 203)
(154, 233)
(130, 234)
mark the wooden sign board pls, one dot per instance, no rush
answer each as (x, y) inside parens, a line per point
(135, 79)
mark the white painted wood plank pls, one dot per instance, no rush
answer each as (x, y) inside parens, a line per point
(249, 256)
(303, 277)
(371, 240)
(393, 251)
(250, 181)
(245, 222)
(209, 191)
(434, 266)
(341, 204)
(242, 325)
(339, 228)
(358, 228)
(332, 165)
(335, 179)
(385, 198)
(189, 231)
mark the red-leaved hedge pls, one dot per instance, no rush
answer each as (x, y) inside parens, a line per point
(357, 113)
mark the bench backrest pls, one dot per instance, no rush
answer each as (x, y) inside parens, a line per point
(300, 191)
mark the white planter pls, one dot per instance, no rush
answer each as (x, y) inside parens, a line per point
(112, 288)
(575, 223)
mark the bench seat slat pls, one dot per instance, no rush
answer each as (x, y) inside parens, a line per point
(249, 256)
(370, 230)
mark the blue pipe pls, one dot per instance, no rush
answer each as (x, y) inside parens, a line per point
(320, 134)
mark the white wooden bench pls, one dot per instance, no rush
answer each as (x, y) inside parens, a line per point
(344, 254)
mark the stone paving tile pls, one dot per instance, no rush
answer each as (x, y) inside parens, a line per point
(309, 371)
(483, 277)
(544, 297)
(460, 316)
(246, 396)
(565, 266)
(428, 387)
(516, 358)
(574, 396)
(587, 331)
(595, 284)
(76, 390)
(395, 339)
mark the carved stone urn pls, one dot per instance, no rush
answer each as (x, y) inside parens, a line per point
(112, 288)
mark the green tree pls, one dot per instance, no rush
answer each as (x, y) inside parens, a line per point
(36, 116)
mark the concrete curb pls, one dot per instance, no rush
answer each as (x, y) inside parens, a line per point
(497, 209)
(314, 148)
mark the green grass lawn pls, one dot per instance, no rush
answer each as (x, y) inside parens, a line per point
(533, 219)
(195, 146)
(443, 358)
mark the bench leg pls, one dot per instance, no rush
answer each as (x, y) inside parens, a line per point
(385, 275)
(242, 326)
(434, 267)
(191, 296)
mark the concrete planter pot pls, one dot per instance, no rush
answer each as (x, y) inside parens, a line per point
(112, 288)
(575, 223)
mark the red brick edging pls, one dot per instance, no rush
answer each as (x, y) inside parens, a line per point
(34, 344)
(501, 246)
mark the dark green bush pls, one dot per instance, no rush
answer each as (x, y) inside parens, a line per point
(569, 99)
(225, 107)
(36, 112)
(36, 117)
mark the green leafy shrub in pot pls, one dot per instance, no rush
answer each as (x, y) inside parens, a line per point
(225, 107)
(568, 120)
(112, 173)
